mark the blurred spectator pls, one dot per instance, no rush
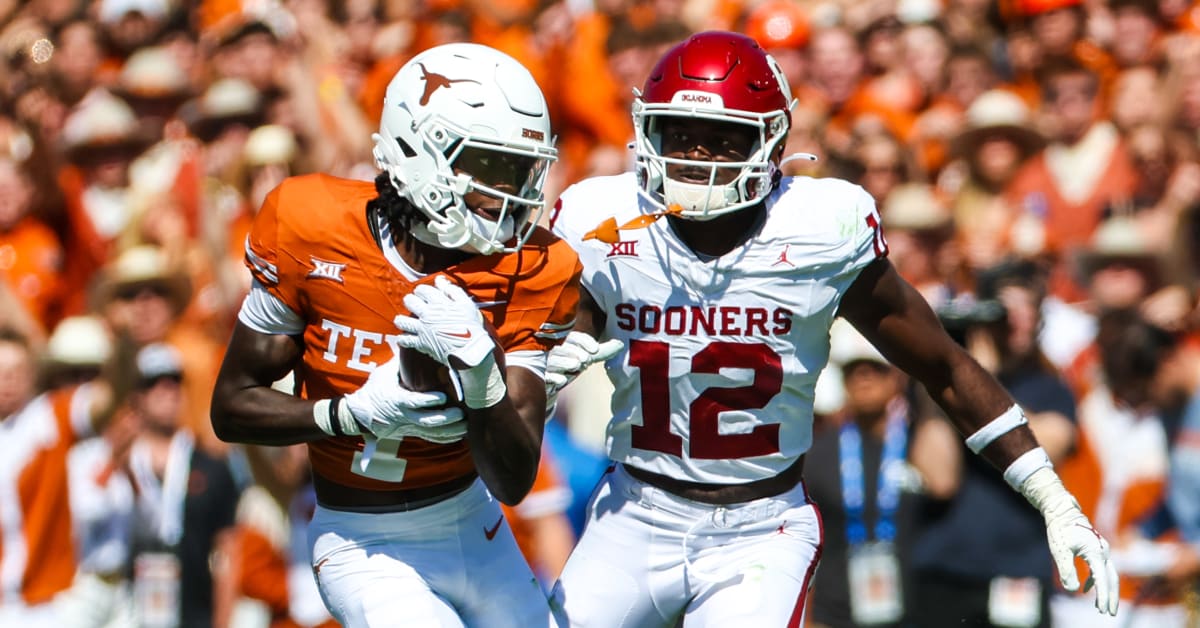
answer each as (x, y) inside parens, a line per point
(101, 139)
(262, 574)
(37, 431)
(920, 231)
(1085, 168)
(185, 498)
(996, 141)
(1119, 272)
(77, 58)
(31, 257)
(980, 559)
(867, 500)
(1118, 471)
(143, 291)
(880, 162)
(1136, 32)
(1180, 382)
(101, 495)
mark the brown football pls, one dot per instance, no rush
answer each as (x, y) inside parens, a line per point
(420, 372)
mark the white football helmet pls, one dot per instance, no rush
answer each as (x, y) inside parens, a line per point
(466, 97)
(726, 78)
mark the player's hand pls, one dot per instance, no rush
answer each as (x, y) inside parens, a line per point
(1070, 534)
(386, 409)
(447, 325)
(577, 352)
(449, 328)
(566, 361)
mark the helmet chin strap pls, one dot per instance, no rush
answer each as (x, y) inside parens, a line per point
(698, 197)
(459, 230)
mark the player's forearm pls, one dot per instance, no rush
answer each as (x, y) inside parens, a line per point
(260, 415)
(506, 439)
(973, 399)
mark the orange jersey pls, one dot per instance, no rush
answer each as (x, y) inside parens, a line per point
(37, 550)
(312, 248)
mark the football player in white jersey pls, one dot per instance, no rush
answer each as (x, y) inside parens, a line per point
(711, 282)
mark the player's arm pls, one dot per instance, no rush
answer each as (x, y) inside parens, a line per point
(900, 323)
(245, 409)
(890, 313)
(506, 438)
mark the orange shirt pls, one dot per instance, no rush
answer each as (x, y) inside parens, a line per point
(312, 248)
(31, 259)
(37, 549)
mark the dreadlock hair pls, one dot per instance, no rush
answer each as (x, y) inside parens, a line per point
(399, 213)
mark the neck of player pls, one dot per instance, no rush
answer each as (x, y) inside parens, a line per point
(722, 234)
(426, 258)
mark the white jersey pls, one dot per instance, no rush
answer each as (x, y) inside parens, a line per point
(716, 380)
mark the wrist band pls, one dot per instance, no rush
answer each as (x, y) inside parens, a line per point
(997, 427)
(322, 414)
(483, 385)
(345, 422)
(1026, 465)
(334, 418)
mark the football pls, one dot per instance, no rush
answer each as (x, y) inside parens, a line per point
(422, 373)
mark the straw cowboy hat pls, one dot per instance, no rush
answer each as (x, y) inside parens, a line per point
(226, 101)
(915, 207)
(78, 341)
(1118, 240)
(152, 74)
(270, 144)
(998, 112)
(143, 266)
(102, 124)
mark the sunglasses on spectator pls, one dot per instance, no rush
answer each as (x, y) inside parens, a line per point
(147, 383)
(131, 292)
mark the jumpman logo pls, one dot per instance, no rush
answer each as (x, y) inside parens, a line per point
(783, 257)
(434, 81)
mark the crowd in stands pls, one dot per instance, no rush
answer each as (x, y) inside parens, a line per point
(1037, 167)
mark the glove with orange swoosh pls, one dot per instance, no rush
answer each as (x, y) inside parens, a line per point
(447, 326)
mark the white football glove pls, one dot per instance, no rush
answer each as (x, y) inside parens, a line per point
(449, 328)
(566, 361)
(388, 410)
(1070, 534)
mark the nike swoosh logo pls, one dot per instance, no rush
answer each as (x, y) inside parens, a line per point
(491, 534)
(466, 335)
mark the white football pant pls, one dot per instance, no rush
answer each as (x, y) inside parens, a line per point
(648, 558)
(454, 563)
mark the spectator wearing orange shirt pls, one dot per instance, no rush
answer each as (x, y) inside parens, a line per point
(31, 256)
(37, 548)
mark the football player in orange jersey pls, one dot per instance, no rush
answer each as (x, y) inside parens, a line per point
(444, 244)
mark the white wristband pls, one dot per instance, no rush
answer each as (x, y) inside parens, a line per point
(343, 424)
(1026, 465)
(483, 385)
(997, 427)
(321, 415)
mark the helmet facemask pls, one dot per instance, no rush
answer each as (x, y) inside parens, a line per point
(755, 175)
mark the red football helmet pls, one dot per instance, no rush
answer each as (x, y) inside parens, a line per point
(719, 76)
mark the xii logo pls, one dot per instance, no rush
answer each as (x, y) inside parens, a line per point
(624, 248)
(326, 270)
